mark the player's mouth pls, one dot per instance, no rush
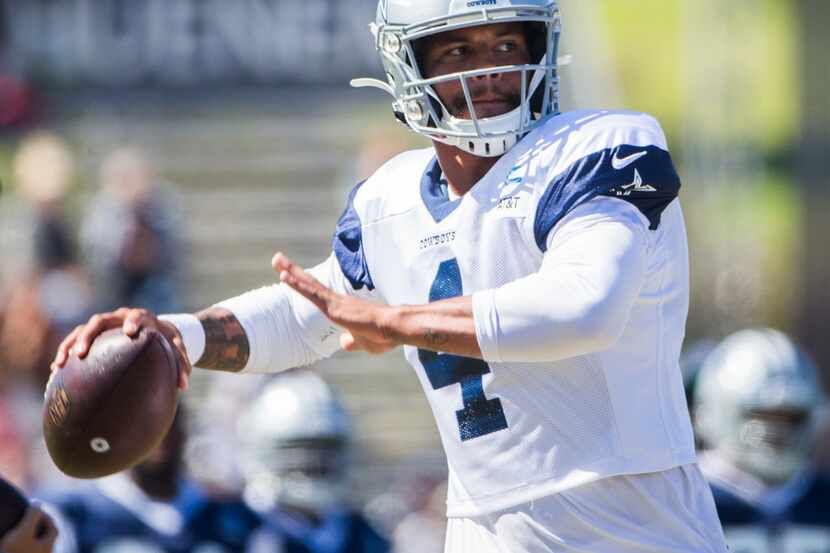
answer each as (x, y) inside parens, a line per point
(486, 103)
(492, 107)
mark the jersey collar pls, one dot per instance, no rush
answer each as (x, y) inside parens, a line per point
(434, 192)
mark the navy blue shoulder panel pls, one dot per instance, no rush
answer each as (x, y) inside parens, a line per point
(348, 246)
(641, 175)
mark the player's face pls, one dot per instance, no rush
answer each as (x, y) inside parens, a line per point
(477, 48)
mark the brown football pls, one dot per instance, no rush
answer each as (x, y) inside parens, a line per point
(106, 412)
(12, 507)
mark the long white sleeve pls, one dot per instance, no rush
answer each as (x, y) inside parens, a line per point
(284, 329)
(580, 299)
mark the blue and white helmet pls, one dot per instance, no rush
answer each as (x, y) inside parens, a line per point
(295, 442)
(758, 402)
(402, 22)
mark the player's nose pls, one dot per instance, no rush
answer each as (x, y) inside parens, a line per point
(488, 76)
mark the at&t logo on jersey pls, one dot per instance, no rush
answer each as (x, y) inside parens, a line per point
(510, 202)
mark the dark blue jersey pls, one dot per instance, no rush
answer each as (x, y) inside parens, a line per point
(798, 522)
(116, 517)
(338, 532)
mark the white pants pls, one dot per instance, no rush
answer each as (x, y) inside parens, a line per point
(666, 512)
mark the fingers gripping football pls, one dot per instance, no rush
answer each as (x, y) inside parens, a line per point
(131, 321)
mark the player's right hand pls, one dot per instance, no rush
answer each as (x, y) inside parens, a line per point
(36, 533)
(131, 321)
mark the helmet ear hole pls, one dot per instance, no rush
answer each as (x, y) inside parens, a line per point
(418, 47)
(536, 35)
(537, 100)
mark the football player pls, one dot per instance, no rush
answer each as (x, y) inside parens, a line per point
(759, 403)
(296, 440)
(533, 265)
(154, 508)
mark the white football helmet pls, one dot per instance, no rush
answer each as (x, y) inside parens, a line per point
(402, 22)
(758, 402)
(295, 439)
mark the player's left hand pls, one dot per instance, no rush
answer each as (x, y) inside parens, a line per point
(366, 322)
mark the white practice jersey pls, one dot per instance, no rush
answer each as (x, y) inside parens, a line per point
(519, 428)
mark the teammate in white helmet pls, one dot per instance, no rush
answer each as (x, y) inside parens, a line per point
(759, 406)
(532, 264)
(296, 440)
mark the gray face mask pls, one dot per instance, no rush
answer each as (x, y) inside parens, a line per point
(310, 475)
(402, 23)
(774, 445)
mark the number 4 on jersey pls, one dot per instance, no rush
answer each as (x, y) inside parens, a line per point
(480, 416)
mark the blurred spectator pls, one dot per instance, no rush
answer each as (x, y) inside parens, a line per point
(53, 296)
(16, 96)
(296, 440)
(14, 460)
(16, 102)
(154, 507)
(130, 237)
(759, 403)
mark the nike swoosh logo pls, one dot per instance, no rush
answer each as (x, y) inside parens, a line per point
(620, 163)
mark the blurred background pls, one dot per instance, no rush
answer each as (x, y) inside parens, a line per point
(158, 152)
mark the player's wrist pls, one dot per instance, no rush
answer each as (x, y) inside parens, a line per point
(390, 321)
(192, 334)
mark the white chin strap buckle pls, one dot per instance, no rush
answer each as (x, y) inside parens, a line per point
(486, 147)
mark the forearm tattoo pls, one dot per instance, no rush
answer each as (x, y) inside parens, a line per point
(436, 339)
(226, 344)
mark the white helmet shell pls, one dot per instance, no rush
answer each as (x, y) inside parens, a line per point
(753, 372)
(401, 22)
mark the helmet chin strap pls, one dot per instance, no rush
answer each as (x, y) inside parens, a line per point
(485, 146)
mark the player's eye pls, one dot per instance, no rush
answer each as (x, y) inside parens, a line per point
(506, 46)
(457, 51)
